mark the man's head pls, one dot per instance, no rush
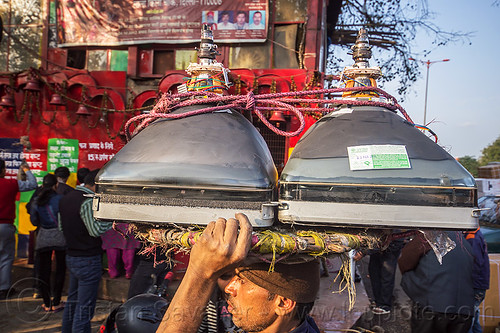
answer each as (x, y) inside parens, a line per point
(258, 298)
(49, 181)
(241, 18)
(2, 168)
(257, 18)
(210, 17)
(225, 17)
(62, 174)
(89, 179)
(81, 173)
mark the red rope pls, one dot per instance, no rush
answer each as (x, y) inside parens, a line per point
(255, 103)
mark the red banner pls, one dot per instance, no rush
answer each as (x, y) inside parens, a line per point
(121, 22)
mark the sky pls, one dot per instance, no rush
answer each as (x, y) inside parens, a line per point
(463, 98)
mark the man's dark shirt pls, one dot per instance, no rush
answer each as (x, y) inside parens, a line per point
(307, 326)
(63, 188)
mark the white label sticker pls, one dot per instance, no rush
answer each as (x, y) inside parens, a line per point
(378, 157)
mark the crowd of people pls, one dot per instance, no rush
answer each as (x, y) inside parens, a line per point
(445, 295)
(234, 291)
(67, 232)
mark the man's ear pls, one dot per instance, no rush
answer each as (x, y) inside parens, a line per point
(284, 306)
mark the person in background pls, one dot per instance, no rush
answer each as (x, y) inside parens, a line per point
(62, 174)
(36, 293)
(83, 255)
(382, 269)
(80, 175)
(9, 188)
(153, 269)
(257, 23)
(210, 20)
(480, 273)
(442, 294)
(50, 239)
(241, 21)
(118, 248)
(225, 23)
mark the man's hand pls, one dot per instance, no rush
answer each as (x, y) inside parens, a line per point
(24, 166)
(358, 256)
(221, 247)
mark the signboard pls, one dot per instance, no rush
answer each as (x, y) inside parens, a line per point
(378, 157)
(91, 152)
(62, 152)
(123, 22)
(37, 160)
(11, 152)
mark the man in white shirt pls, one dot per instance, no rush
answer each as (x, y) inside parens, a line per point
(241, 21)
(224, 24)
(257, 23)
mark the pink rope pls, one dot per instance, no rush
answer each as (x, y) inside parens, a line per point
(258, 104)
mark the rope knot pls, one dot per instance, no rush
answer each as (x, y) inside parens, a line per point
(250, 99)
(163, 104)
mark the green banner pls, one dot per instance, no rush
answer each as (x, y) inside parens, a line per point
(62, 152)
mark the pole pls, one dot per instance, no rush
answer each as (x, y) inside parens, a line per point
(426, 90)
(428, 63)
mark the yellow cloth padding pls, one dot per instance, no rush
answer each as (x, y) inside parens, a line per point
(25, 225)
(72, 180)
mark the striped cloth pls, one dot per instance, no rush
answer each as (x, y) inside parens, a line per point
(95, 228)
(209, 323)
(216, 318)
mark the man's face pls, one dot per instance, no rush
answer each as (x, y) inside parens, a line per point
(240, 19)
(225, 18)
(252, 307)
(210, 17)
(257, 17)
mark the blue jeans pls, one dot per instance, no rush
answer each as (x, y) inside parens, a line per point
(7, 253)
(382, 268)
(84, 277)
(478, 298)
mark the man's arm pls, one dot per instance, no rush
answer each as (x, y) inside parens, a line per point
(33, 212)
(30, 182)
(412, 252)
(94, 227)
(218, 249)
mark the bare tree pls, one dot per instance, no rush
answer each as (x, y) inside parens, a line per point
(392, 26)
(23, 20)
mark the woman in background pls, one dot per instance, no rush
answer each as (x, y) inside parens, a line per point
(119, 248)
(44, 212)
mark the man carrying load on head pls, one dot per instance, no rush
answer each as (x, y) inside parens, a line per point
(259, 300)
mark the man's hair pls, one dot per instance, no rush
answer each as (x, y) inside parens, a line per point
(81, 173)
(62, 172)
(90, 177)
(241, 12)
(2, 165)
(257, 12)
